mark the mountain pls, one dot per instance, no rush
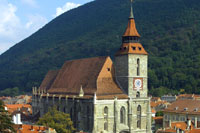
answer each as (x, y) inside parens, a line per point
(170, 31)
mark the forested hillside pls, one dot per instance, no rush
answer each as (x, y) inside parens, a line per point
(170, 31)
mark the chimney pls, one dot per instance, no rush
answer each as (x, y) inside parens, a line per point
(20, 126)
(32, 129)
(177, 130)
(14, 119)
(188, 124)
(18, 118)
(195, 122)
(170, 124)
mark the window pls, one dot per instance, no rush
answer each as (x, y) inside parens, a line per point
(138, 67)
(122, 115)
(138, 94)
(106, 126)
(88, 118)
(140, 48)
(71, 111)
(133, 48)
(108, 69)
(106, 118)
(139, 116)
(177, 118)
(166, 118)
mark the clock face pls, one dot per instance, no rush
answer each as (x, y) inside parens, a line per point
(137, 84)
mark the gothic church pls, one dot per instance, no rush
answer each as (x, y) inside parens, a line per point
(102, 97)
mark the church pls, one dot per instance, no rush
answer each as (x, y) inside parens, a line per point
(102, 96)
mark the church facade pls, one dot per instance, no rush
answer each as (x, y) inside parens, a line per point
(102, 96)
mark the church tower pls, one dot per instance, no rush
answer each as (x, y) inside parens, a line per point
(131, 62)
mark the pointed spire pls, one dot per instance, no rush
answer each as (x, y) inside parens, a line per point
(131, 13)
(81, 93)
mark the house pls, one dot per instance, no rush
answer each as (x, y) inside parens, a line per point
(181, 111)
(22, 128)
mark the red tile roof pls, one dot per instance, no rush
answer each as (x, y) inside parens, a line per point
(131, 29)
(184, 106)
(131, 48)
(14, 107)
(94, 75)
(31, 129)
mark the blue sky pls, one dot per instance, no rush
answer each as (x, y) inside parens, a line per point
(20, 18)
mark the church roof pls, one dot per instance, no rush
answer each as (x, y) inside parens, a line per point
(94, 75)
(131, 48)
(131, 28)
(48, 80)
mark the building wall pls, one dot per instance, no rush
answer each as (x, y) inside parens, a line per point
(93, 121)
(121, 72)
(180, 117)
(132, 68)
(114, 124)
(81, 111)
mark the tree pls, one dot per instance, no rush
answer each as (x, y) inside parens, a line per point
(6, 125)
(159, 113)
(60, 121)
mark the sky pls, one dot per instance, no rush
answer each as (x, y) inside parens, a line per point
(21, 18)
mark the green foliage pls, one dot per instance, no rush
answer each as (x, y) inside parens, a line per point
(170, 31)
(160, 91)
(57, 120)
(6, 125)
(159, 113)
(11, 92)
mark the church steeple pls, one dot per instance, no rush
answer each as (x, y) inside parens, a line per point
(130, 39)
(131, 34)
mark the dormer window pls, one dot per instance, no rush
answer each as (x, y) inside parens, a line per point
(108, 69)
(176, 108)
(124, 48)
(133, 48)
(140, 48)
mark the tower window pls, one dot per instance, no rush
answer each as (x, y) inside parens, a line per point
(106, 118)
(138, 94)
(139, 116)
(138, 67)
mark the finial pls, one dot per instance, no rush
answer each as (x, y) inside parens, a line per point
(131, 14)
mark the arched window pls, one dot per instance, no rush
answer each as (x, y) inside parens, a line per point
(106, 118)
(122, 115)
(71, 114)
(139, 116)
(138, 94)
(88, 118)
(138, 67)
